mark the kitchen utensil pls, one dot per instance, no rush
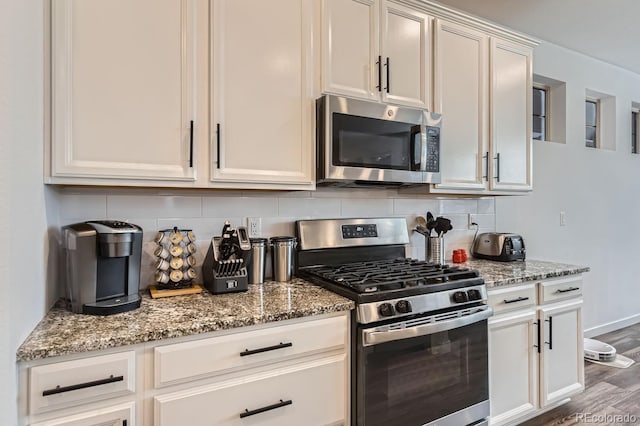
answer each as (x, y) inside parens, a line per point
(442, 226)
(422, 222)
(282, 250)
(224, 268)
(431, 222)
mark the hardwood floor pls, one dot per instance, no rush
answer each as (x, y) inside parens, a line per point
(609, 391)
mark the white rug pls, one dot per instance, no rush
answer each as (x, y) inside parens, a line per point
(620, 362)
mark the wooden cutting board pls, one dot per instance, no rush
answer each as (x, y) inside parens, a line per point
(157, 293)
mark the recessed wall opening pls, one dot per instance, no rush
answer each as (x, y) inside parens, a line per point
(600, 120)
(635, 127)
(549, 109)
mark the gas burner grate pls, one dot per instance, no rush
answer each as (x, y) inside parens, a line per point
(376, 276)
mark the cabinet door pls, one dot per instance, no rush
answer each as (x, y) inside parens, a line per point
(511, 116)
(513, 365)
(263, 109)
(311, 393)
(406, 52)
(121, 415)
(123, 89)
(350, 48)
(561, 363)
(461, 98)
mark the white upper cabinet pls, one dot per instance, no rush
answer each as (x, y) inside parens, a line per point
(460, 95)
(482, 88)
(261, 96)
(123, 87)
(510, 95)
(376, 49)
(350, 46)
(406, 51)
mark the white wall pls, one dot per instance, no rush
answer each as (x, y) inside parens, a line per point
(24, 212)
(598, 189)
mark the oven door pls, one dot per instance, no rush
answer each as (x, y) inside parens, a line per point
(424, 370)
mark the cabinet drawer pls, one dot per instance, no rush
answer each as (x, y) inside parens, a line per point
(76, 382)
(311, 393)
(121, 415)
(244, 349)
(559, 289)
(506, 299)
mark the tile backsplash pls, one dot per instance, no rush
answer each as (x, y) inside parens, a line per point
(206, 211)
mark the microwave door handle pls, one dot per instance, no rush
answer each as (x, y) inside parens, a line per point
(418, 148)
(375, 337)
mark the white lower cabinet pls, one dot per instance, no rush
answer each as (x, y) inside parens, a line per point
(535, 351)
(513, 362)
(121, 415)
(561, 364)
(293, 372)
(310, 393)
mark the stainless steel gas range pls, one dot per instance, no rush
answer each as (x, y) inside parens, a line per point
(419, 330)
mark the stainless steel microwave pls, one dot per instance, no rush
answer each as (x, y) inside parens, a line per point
(369, 143)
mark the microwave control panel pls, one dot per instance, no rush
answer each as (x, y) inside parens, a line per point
(433, 149)
(359, 231)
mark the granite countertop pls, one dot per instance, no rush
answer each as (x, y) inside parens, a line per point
(497, 274)
(62, 332)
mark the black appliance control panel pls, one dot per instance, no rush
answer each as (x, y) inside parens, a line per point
(359, 231)
(433, 149)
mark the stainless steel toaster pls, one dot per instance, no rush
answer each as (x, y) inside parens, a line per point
(503, 247)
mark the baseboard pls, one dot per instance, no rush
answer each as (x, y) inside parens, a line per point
(612, 326)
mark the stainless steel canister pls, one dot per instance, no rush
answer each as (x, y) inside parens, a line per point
(282, 251)
(258, 258)
(435, 250)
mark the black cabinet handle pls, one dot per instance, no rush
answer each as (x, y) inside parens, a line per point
(124, 423)
(497, 158)
(550, 342)
(282, 403)
(537, 323)
(486, 166)
(379, 63)
(519, 299)
(62, 389)
(218, 145)
(266, 349)
(566, 290)
(388, 67)
(191, 145)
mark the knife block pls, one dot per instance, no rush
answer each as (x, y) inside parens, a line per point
(224, 276)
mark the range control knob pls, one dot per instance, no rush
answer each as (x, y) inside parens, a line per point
(474, 294)
(403, 307)
(386, 310)
(460, 297)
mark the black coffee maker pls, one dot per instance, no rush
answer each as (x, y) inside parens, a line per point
(102, 266)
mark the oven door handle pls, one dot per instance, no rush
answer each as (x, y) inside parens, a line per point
(375, 336)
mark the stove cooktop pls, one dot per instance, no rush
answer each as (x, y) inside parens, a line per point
(369, 281)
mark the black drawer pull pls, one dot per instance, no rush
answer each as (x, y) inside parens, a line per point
(62, 389)
(566, 290)
(267, 349)
(538, 339)
(282, 403)
(519, 299)
(550, 342)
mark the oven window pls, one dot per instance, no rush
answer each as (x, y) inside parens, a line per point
(415, 381)
(372, 143)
